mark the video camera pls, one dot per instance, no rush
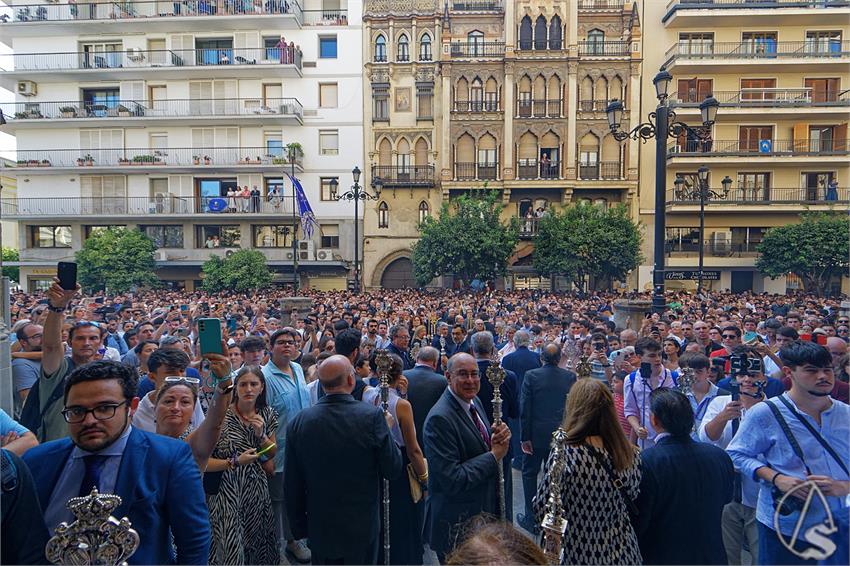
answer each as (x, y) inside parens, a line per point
(745, 365)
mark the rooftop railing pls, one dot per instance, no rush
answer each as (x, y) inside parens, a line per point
(209, 157)
(682, 5)
(160, 205)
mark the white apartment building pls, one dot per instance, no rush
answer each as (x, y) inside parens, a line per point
(148, 113)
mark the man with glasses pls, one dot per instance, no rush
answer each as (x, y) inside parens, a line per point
(156, 477)
(25, 371)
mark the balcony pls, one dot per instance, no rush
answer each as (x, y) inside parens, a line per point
(751, 55)
(130, 160)
(538, 108)
(600, 5)
(466, 171)
(160, 206)
(530, 169)
(527, 226)
(781, 102)
(325, 17)
(714, 248)
(30, 19)
(476, 106)
(602, 171)
(130, 112)
(604, 49)
(695, 13)
(812, 150)
(477, 50)
(404, 176)
(135, 63)
(759, 197)
(477, 6)
(596, 106)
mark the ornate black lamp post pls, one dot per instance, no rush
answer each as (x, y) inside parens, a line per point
(356, 193)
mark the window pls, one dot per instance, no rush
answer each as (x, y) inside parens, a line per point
(380, 49)
(694, 90)
(272, 237)
(424, 211)
(425, 48)
(746, 239)
(696, 43)
(823, 90)
(214, 51)
(383, 215)
(325, 183)
(476, 96)
(820, 138)
(218, 236)
(89, 231)
(101, 55)
(403, 49)
(380, 100)
(51, 236)
(540, 33)
(487, 157)
(753, 186)
(327, 47)
(475, 43)
(273, 144)
(682, 240)
(330, 235)
(328, 95)
(823, 42)
(749, 136)
(425, 101)
(555, 33)
(165, 235)
(328, 142)
(595, 42)
(759, 43)
(758, 89)
(525, 33)
(98, 102)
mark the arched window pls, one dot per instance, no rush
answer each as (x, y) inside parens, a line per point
(595, 42)
(525, 33)
(380, 49)
(555, 33)
(476, 96)
(540, 33)
(403, 49)
(383, 215)
(424, 211)
(601, 203)
(425, 48)
(475, 43)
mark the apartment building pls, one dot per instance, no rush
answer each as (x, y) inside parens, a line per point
(781, 72)
(149, 114)
(507, 94)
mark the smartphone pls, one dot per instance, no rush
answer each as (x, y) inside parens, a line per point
(266, 449)
(98, 300)
(184, 307)
(646, 370)
(66, 271)
(209, 335)
(751, 338)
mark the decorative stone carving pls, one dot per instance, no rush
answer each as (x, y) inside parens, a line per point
(400, 7)
(425, 74)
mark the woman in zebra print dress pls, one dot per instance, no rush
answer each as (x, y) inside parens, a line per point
(241, 512)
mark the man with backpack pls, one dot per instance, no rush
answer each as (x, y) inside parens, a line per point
(42, 412)
(640, 384)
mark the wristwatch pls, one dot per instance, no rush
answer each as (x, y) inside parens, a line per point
(57, 310)
(226, 390)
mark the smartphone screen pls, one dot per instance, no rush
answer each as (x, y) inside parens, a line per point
(645, 370)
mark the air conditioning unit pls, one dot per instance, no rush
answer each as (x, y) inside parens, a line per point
(721, 243)
(26, 88)
(306, 255)
(289, 255)
(325, 255)
(306, 250)
(161, 255)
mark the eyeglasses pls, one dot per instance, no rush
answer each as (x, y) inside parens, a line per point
(729, 336)
(104, 412)
(192, 382)
(285, 343)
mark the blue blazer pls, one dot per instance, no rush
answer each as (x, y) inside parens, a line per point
(520, 361)
(161, 493)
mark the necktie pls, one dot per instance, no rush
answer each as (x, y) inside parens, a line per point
(481, 430)
(91, 478)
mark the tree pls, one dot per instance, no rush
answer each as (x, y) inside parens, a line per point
(467, 240)
(243, 270)
(816, 250)
(586, 240)
(13, 273)
(116, 260)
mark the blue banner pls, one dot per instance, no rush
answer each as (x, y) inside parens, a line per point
(305, 211)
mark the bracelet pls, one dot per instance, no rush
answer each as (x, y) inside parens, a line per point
(57, 310)
(234, 460)
(773, 481)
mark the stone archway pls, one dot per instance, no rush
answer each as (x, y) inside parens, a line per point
(398, 274)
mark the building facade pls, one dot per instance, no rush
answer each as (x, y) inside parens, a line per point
(780, 71)
(508, 95)
(152, 114)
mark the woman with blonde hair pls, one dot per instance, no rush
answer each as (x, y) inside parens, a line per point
(598, 459)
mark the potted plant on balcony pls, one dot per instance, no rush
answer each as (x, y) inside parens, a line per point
(207, 160)
(124, 111)
(68, 112)
(45, 163)
(294, 151)
(123, 161)
(196, 160)
(88, 160)
(21, 115)
(33, 163)
(22, 163)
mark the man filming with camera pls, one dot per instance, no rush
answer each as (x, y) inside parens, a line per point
(791, 445)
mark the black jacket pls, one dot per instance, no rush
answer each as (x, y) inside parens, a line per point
(520, 361)
(424, 389)
(542, 399)
(406, 360)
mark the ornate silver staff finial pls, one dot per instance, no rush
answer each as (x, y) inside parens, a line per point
(583, 367)
(686, 380)
(496, 376)
(383, 361)
(554, 523)
(414, 352)
(442, 348)
(95, 537)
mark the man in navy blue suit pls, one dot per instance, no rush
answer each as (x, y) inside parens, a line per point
(156, 477)
(683, 490)
(519, 361)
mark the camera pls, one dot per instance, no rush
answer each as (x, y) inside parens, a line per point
(787, 507)
(745, 365)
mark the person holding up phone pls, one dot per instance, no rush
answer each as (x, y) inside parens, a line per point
(640, 384)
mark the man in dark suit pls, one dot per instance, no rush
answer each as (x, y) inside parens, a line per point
(542, 400)
(520, 361)
(684, 487)
(399, 341)
(337, 453)
(463, 454)
(459, 342)
(156, 477)
(424, 387)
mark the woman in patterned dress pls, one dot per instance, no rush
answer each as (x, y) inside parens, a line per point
(241, 512)
(599, 530)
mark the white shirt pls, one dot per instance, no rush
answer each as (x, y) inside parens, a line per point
(145, 416)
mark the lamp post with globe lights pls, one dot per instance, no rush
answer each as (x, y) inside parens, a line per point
(356, 194)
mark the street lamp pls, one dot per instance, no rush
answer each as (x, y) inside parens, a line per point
(661, 125)
(357, 193)
(704, 194)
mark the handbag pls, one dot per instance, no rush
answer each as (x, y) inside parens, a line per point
(415, 486)
(631, 506)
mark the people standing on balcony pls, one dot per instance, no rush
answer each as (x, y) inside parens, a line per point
(232, 193)
(255, 199)
(545, 163)
(246, 198)
(832, 190)
(275, 197)
(282, 48)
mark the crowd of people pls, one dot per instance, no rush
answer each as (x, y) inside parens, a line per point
(701, 435)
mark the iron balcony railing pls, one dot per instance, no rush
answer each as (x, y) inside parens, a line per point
(604, 48)
(600, 5)
(594, 105)
(404, 175)
(163, 204)
(538, 108)
(527, 226)
(133, 58)
(325, 17)
(768, 97)
(759, 147)
(477, 6)
(716, 248)
(766, 195)
(477, 50)
(759, 49)
(476, 106)
(149, 157)
(534, 169)
(466, 171)
(604, 170)
(169, 108)
(146, 9)
(553, 44)
(676, 5)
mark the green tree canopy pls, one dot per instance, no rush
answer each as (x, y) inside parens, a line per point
(13, 273)
(243, 270)
(115, 260)
(468, 240)
(816, 250)
(587, 240)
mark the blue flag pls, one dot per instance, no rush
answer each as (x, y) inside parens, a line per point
(305, 211)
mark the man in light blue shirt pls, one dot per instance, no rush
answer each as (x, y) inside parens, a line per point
(15, 438)
(762, 451)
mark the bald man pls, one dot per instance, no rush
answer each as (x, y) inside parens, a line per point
(337, 453)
